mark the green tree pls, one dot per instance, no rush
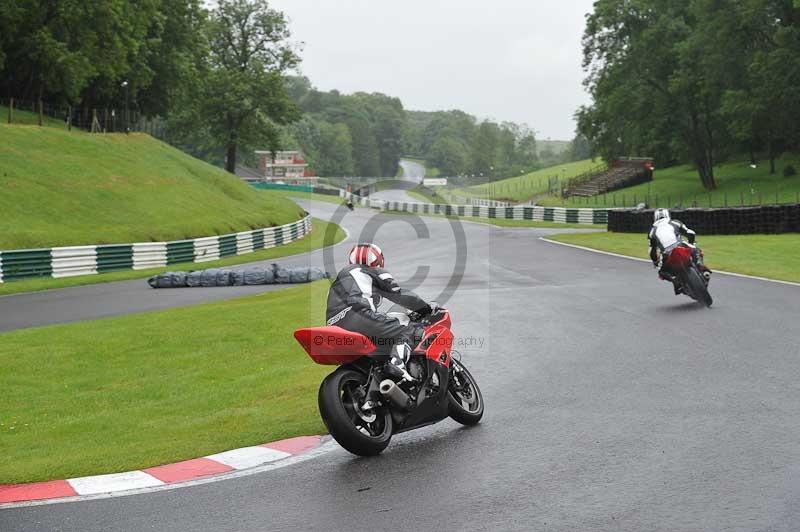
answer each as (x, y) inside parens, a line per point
(526, 150)
(484, 149)
(696, 79)
(387, 118)
(242, 97)
(649, 84)
(449, 155)
(763, 107)
(335, 150)
(80, 52)
(177, 48)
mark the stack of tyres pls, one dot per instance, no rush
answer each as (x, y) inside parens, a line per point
(252, 276)
(769, 219)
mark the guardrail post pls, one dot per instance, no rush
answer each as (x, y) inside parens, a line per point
(11, 111)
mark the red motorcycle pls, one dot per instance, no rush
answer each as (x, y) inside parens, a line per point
(683, 263)
(363, 408)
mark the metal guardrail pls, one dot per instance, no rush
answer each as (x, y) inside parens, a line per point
(516, 212)
(89, 260)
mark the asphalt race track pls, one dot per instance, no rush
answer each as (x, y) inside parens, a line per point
(610, 404)
(126, 297)
(413, 173)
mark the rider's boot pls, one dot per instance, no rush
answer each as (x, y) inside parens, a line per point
(677, 287)
(705, 271)
(396, 366)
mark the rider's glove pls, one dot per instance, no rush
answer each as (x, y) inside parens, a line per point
(424, 311)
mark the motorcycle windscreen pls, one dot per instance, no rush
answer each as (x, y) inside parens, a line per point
(333, 345)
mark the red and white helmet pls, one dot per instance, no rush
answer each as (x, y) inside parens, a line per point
(366, 254)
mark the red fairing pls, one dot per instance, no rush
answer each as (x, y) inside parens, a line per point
(680, 257)
(333, 346)
(437, 342)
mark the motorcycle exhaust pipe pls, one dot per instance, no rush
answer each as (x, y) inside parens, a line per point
(394, 394)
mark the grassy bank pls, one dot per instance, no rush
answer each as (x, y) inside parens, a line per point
(308, 196)
(29, 118)
(137, 391)
(318, 238)
(529, 185)
(423, 195)
(773, 256)
(70, 188)
(737, 184)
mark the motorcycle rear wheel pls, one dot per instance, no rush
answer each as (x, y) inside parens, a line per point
(464, 398)
(361, 433)
(698, 287)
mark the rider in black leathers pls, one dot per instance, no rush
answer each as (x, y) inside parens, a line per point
(354, 298)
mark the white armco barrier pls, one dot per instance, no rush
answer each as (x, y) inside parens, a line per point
(149, 255)
(75, 260)
(269, 238)
(244, 242)
(206, 249)
(88, 260)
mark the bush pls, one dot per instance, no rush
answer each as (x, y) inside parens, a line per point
(789, 171)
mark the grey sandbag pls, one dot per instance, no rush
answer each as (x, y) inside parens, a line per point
(316, 274)
(177, 279)
(254, 276)
(209, 277)
(168, 280)
(194, 278)
(237, 277)
(298, 275)
(156, 281)
(281, 274)
(224, 278)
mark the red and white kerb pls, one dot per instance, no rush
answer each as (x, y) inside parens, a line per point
(366, 254)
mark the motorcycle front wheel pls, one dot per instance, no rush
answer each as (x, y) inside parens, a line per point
(464, 398)
(364, 433)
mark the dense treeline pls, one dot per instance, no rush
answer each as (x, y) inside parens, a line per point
(457, 144)
(216, 75)
(219, 78)
(345, 135)
(696, 80)
(81, 52)
(366, 134)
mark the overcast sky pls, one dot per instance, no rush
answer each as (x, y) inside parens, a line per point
(517, 60)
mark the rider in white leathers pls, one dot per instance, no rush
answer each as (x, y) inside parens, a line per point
(665, 235)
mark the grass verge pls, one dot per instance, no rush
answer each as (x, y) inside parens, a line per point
(65, 188)
(772, 256)
(127, 393)
(314, 240)
(308, 196)
(737, 184)
(419, 192)
(529, 185)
